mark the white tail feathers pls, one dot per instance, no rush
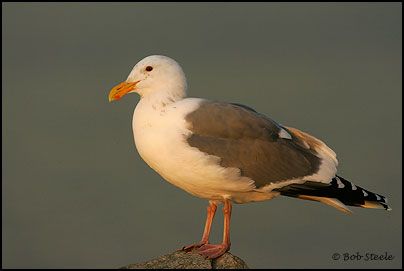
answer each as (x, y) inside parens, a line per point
(329, 201)
(375, 205)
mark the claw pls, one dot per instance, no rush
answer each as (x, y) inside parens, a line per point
(211, 251)
(190, 248)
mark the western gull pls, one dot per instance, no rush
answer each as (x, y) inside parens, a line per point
(227, 152)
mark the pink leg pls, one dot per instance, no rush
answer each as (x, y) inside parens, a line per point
(205, 238)
(214, 251)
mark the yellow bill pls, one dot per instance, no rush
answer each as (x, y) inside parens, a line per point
(120, 90)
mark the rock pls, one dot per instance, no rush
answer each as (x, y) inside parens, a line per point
(183, 260)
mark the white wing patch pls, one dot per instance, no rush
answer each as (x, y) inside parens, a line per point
(340, 184)
(284, 134)
(327, 168)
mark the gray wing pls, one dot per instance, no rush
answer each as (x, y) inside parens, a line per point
(250, 141)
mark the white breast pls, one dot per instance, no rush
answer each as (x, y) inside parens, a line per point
(160, 134)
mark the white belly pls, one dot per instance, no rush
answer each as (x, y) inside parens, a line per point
(160, 137)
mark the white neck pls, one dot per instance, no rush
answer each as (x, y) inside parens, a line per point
(164, 96)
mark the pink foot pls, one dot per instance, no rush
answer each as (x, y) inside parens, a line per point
(192, 247)
(212, 251)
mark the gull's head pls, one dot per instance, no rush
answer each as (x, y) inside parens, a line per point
(153, 74)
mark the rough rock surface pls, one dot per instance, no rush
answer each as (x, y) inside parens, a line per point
(183, 260)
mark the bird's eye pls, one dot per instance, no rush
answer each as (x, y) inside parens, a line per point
(149, 68)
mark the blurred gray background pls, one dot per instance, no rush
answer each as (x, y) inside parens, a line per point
(76, 194)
